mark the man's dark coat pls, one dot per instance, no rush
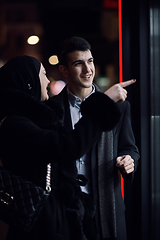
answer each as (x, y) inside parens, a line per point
(106, 187)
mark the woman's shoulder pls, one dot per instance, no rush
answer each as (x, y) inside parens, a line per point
(17, 125)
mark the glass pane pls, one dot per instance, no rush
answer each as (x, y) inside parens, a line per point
(155, 117)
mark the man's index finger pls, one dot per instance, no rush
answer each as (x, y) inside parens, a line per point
(127, 83)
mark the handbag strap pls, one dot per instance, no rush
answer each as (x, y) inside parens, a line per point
(48, 178)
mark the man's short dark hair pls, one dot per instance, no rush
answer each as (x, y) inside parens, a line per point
(70, 45)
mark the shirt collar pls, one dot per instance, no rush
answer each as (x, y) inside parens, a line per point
(76, 101)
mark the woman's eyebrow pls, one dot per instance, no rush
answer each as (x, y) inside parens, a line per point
(91, 58)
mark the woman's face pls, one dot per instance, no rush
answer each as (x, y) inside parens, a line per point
(44, 83)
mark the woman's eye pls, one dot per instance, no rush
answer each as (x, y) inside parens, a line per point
(91, 60)
(77, 64)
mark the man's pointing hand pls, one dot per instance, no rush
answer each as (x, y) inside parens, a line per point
(117, 92)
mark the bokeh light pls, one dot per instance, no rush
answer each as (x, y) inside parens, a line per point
(53, 60)
(32, 40)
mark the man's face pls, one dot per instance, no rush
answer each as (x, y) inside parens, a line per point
(80, 70)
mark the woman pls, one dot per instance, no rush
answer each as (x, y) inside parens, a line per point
(31, 137)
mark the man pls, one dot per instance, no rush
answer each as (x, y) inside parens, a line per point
(114, 152)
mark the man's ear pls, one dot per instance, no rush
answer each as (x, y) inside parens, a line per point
(63, 70)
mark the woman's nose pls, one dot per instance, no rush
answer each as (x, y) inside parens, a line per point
(48, 80)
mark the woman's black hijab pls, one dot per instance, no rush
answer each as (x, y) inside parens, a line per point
(20, 86)
(21, 73)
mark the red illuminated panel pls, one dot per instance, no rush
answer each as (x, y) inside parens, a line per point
(120, 41)
(113, 4)
(122, 186)
(120, 66)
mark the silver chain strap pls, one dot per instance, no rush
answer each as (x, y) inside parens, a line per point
(48, 178)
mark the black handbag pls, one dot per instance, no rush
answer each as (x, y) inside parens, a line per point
(21, 201)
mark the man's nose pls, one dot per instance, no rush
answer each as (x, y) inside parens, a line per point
(86, 68)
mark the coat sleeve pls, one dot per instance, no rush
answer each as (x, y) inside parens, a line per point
(126, 139)
(25, 138)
